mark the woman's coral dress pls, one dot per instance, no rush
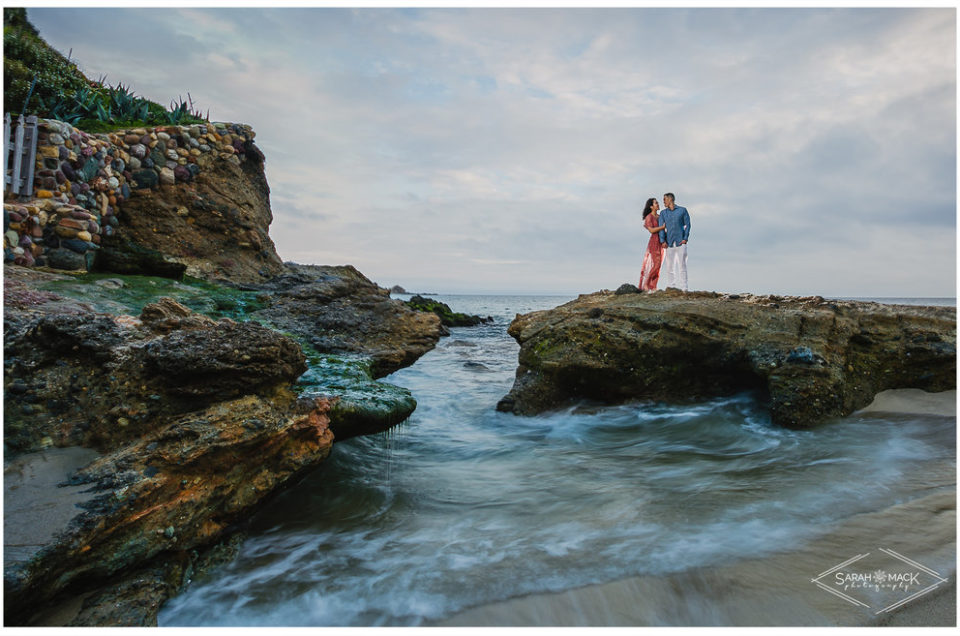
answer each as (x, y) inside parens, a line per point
(652, 258)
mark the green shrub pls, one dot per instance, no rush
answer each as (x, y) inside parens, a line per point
(39, 80)
(25, 57)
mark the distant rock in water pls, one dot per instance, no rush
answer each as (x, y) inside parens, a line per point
(397, 289)
(448, 317)
(815, 358)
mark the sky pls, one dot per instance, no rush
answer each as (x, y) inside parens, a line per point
(512, 150)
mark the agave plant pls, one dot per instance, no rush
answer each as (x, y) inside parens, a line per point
(61, 109)
(125, 105)
(196, 113)
(103, 113)
(178, 112)
(85, 102)
(121, 99)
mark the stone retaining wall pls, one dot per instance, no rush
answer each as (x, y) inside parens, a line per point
(82, 179)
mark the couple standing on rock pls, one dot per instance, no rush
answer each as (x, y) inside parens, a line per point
(669, 232)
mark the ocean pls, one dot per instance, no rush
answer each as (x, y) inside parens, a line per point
(462, 506)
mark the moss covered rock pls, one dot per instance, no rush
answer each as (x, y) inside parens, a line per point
(448, 317)
(814, 358)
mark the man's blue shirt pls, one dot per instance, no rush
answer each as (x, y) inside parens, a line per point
(677, 222)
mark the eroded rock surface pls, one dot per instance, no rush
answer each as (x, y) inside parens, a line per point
(213, 227)
(815, 358)
(98, 380)
(339, 310)
(198, 418)
(195, 420)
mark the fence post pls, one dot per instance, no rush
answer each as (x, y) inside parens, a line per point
(22, 150)
(30, 152)
(6, 151)
(18, 156)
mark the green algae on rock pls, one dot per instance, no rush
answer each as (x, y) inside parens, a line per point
(122, 293)
(359, 405)
(814, 358)
(363, 405)
(448, 317)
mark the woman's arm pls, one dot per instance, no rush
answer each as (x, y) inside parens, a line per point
(654, 230)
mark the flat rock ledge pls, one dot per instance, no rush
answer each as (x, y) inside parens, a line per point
(814, 358)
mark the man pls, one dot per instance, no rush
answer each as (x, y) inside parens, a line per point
(676, 231)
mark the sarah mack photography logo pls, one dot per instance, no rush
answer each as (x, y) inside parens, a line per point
(883, 579)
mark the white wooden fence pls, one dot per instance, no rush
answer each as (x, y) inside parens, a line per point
(19, 156)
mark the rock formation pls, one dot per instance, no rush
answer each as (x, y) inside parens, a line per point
(164, 200)
(448, 317)
(198, 418)
(202, 392)
(215, 225)
(194, 417)
(814, 358)
(338, 309)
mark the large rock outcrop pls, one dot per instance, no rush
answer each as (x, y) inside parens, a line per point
(349, 329)
(814, 358)
(197, 418)
(97, 380)
(214, 226)
(163, 201)
(194, 418)
(337, 309)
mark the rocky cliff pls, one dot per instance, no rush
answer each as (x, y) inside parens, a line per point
(166, 201)
(203, 371)
(813, 358)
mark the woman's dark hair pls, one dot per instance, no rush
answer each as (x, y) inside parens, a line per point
(648, 208)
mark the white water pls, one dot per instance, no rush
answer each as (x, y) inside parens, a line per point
(463, 506)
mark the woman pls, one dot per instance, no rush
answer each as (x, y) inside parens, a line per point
(650, 270)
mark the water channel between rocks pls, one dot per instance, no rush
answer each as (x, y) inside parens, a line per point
(462, 507)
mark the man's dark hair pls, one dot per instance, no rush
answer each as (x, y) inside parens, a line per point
(670, 194)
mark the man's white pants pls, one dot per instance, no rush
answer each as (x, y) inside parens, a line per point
(674, 270)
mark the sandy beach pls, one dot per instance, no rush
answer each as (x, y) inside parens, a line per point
(776, 589)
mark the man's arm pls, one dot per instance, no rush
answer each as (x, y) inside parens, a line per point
(663, 232)
(686, 225)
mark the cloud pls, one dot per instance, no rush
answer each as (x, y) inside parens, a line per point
(512, 149)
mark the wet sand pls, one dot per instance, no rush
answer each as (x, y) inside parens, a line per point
(35, 508)
(776, 590)
(914, 401)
